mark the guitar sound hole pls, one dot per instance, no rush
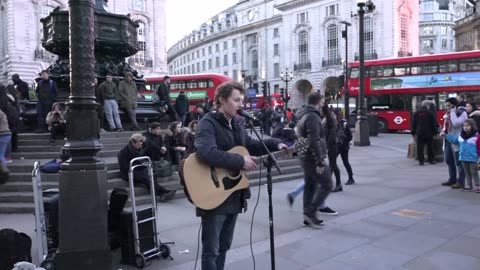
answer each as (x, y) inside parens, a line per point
(234, 173)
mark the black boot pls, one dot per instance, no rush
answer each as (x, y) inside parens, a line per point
(350, 181)
(337, 188)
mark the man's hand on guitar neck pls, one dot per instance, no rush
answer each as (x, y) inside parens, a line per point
(249, 163)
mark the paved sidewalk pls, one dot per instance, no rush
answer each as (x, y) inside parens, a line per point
(397, 216)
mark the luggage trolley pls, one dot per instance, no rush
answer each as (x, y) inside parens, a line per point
(145, 247)
(45, 256)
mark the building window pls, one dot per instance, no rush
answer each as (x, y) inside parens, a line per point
(234, 43)
(198, 67)
(443, 30)
(444, 44)
(193, 68)
(451, 44)
(225, 73)
(225, 45)
(235, 75)
(188, 70)
(332, 42)
(252, 39)
(276, 70)
(225, 60)
(234, 58)
(188, 57)
(217, 62)
(139, 57)
(203, 52)
(209, 63)
(209, 49)
(427, 30)
(254, 59)
(275, 32)
(139, 5)
(302, 17)
(203, 66)
(3, 32)
(427, 44)
(217, 47)
(427, 17)
(275, 50)
(332, 10)
(403, 32)
(303, 47)
(427, 5)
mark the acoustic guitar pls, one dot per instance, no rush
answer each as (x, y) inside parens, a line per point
(210, 186)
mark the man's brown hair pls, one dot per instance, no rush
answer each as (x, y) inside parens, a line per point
(225, 90)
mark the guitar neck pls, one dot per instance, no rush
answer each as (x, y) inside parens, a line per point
(276, 154)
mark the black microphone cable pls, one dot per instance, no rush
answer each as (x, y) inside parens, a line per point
(198, 245)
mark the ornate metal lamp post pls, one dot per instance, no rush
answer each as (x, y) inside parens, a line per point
(346, 96)
(83, 239)
(361, 126)
(286, 77)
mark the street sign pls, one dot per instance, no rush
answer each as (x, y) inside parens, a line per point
(251, 92)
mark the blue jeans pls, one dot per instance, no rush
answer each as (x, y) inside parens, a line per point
(454, 166)
(4, 141)
(217, 236)
(299, 189)
(111, 113)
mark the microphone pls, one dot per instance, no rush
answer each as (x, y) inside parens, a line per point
(247, 115)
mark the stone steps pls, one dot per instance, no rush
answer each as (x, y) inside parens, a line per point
(22, 202)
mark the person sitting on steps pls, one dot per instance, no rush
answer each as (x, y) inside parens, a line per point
(56, 122)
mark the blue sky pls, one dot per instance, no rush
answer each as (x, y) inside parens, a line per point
(183, 16)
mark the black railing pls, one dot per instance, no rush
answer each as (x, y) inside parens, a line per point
(331, 62)
(368, 56)
(302, 66)
(404, 54)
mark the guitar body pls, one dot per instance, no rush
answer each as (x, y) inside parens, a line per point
(210, 186)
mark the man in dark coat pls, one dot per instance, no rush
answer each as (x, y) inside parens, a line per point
(46, 94)
(154, 144)
(318, 181)
(424, 128)
(216, 134)
(181, 106)
(163, 93)
(21, 87)
(195, 114)
(140, 175)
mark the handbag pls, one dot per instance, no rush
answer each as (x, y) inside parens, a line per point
(162, 168)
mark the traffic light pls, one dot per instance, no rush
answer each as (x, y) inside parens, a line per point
(282, 93)
(264, 88)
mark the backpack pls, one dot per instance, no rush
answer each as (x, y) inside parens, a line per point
(162, 168)
(340, 136)
(15, 247)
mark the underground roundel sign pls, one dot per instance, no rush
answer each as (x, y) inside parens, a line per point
(398, 120)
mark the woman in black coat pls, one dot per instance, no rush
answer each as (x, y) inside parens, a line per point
(175, 143)
(344, 145)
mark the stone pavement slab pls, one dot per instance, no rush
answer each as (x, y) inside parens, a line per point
(396, 209)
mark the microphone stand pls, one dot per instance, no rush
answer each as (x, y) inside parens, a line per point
(269, 163)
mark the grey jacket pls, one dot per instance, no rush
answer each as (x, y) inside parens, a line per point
(309, 126)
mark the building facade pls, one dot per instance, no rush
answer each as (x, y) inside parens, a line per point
(266, 38)
(437, 25)
(21, 36)
(467, 29)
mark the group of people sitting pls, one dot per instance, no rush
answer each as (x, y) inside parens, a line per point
(176, 144)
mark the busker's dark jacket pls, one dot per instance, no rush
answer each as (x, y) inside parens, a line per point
(125, 156)
(212, 139)
(310, 127)
(153, 145)
(424, 124)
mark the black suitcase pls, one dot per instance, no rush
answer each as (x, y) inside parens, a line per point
(145, 231)
(118, 199)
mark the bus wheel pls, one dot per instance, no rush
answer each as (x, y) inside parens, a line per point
(382, 126)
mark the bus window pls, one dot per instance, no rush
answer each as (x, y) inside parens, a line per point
(447, 66)
(400, 70)
(429, 68)
(191, 85)
(414, 70)
(354, 73)
(388, 71)
(469, 64)
(178, 85)
(211, 84)
(202, 84)
(377, 72)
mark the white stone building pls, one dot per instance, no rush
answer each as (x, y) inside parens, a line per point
(437, 22)
(20, 36)
(304, 36)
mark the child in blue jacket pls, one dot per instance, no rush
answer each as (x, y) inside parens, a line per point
(468, 140)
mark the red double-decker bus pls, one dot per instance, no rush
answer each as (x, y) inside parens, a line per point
(395, 87)
(195, 86)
